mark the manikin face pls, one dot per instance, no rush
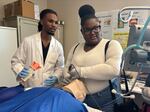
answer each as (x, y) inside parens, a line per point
(50, 23)
(91, 31)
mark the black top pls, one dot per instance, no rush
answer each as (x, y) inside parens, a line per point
(45, 51)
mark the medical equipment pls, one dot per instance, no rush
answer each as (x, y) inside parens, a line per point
(136, 56)
(74, 71)
(138, 53)
(131, 11)
(123, 95)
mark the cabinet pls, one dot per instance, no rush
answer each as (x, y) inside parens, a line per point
(25, 26)
(8, 46)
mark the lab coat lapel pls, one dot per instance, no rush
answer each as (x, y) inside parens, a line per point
(39, 46)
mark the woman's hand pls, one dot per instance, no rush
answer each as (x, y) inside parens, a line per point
(74, 72)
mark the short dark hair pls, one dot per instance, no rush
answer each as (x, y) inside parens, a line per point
(43, 14)
(86, 12)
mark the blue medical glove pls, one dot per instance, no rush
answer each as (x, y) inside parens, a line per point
(50, 81)
(74, 72)
(24, 73)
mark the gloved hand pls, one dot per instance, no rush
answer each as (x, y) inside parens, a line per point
(74, 72)
(50, 81)
(66, 76)
(24, 73)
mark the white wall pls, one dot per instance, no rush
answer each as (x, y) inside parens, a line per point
(68, 11)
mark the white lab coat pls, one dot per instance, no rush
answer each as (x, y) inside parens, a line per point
(31, 50)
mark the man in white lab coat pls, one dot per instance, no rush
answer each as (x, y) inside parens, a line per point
(43, 49)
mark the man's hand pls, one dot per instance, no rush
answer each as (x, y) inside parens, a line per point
(50, 81)
(24, 73)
